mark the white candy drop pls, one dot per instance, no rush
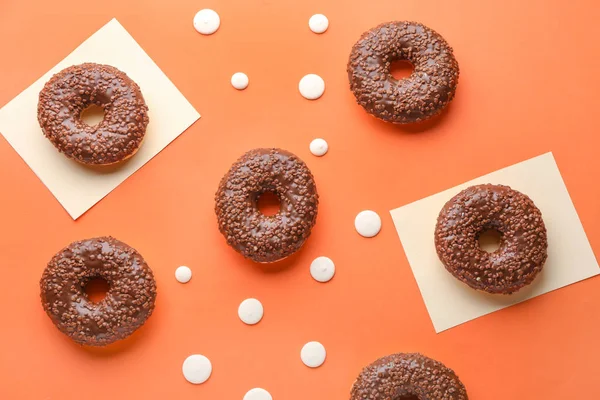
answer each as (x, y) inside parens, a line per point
(251, 311)
(207, 21)
(322, 269)
(197, 369)
(239, 80)
(183, 274)
(318, 23)
(319, 147)
(258, 394)
(311, 86)
(367, 223)
(313, 354)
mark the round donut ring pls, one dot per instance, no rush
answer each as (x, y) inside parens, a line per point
(407, 376)
(68, 93)
(128, 302)
(422, 95)
(256, 236)
(523, 243)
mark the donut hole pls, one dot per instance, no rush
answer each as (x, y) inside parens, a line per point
(406, 395)
(268, 204)
(96, 289)
(92, 115)
(490, 240)
(401, 69)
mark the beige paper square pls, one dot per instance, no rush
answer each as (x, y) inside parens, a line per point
(449, 301)
(75, 186)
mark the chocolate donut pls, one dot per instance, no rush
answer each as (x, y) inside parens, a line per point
(127, 305)
(523, 243)
(407, 376)
(72, 90)
(422, 95)
(256, 236)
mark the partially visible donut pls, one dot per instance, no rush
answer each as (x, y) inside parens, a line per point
(68, 93)
(127, 305)
(523, 243)
(407, 376)
(256, 236)
(424, 94)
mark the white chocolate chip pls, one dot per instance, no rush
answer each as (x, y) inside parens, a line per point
(322, 269)
(319, 147)
(251, 311)
(207, 21)
(239, 80)
(367, 223)
(318, 23)
(197, 369)
(258, 394)
(313, 354)
(311, 86)
(183, 274)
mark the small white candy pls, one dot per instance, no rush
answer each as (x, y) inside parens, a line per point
(319, 147)
(207, 21)
(183, 274)
(313, 354)
(322, 269)
(239, 80)
(311, 86)
(367, 223)
(197, 369)
(318, 23)
(258, 394)
(250, 311)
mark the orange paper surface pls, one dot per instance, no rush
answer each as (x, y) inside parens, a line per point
(528, 85)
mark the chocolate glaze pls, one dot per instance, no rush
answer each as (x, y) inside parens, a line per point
(71, 91)
(256, 236)
(407, 376)
(127, 305)
(422, 95)
(523, 245)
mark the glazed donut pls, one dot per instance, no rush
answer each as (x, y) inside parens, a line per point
(127, 305)
(68, 93)
(407, 376)
(523, 243)
(422, 95)
(256, 236)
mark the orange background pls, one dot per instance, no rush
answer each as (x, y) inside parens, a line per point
(529, 84)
